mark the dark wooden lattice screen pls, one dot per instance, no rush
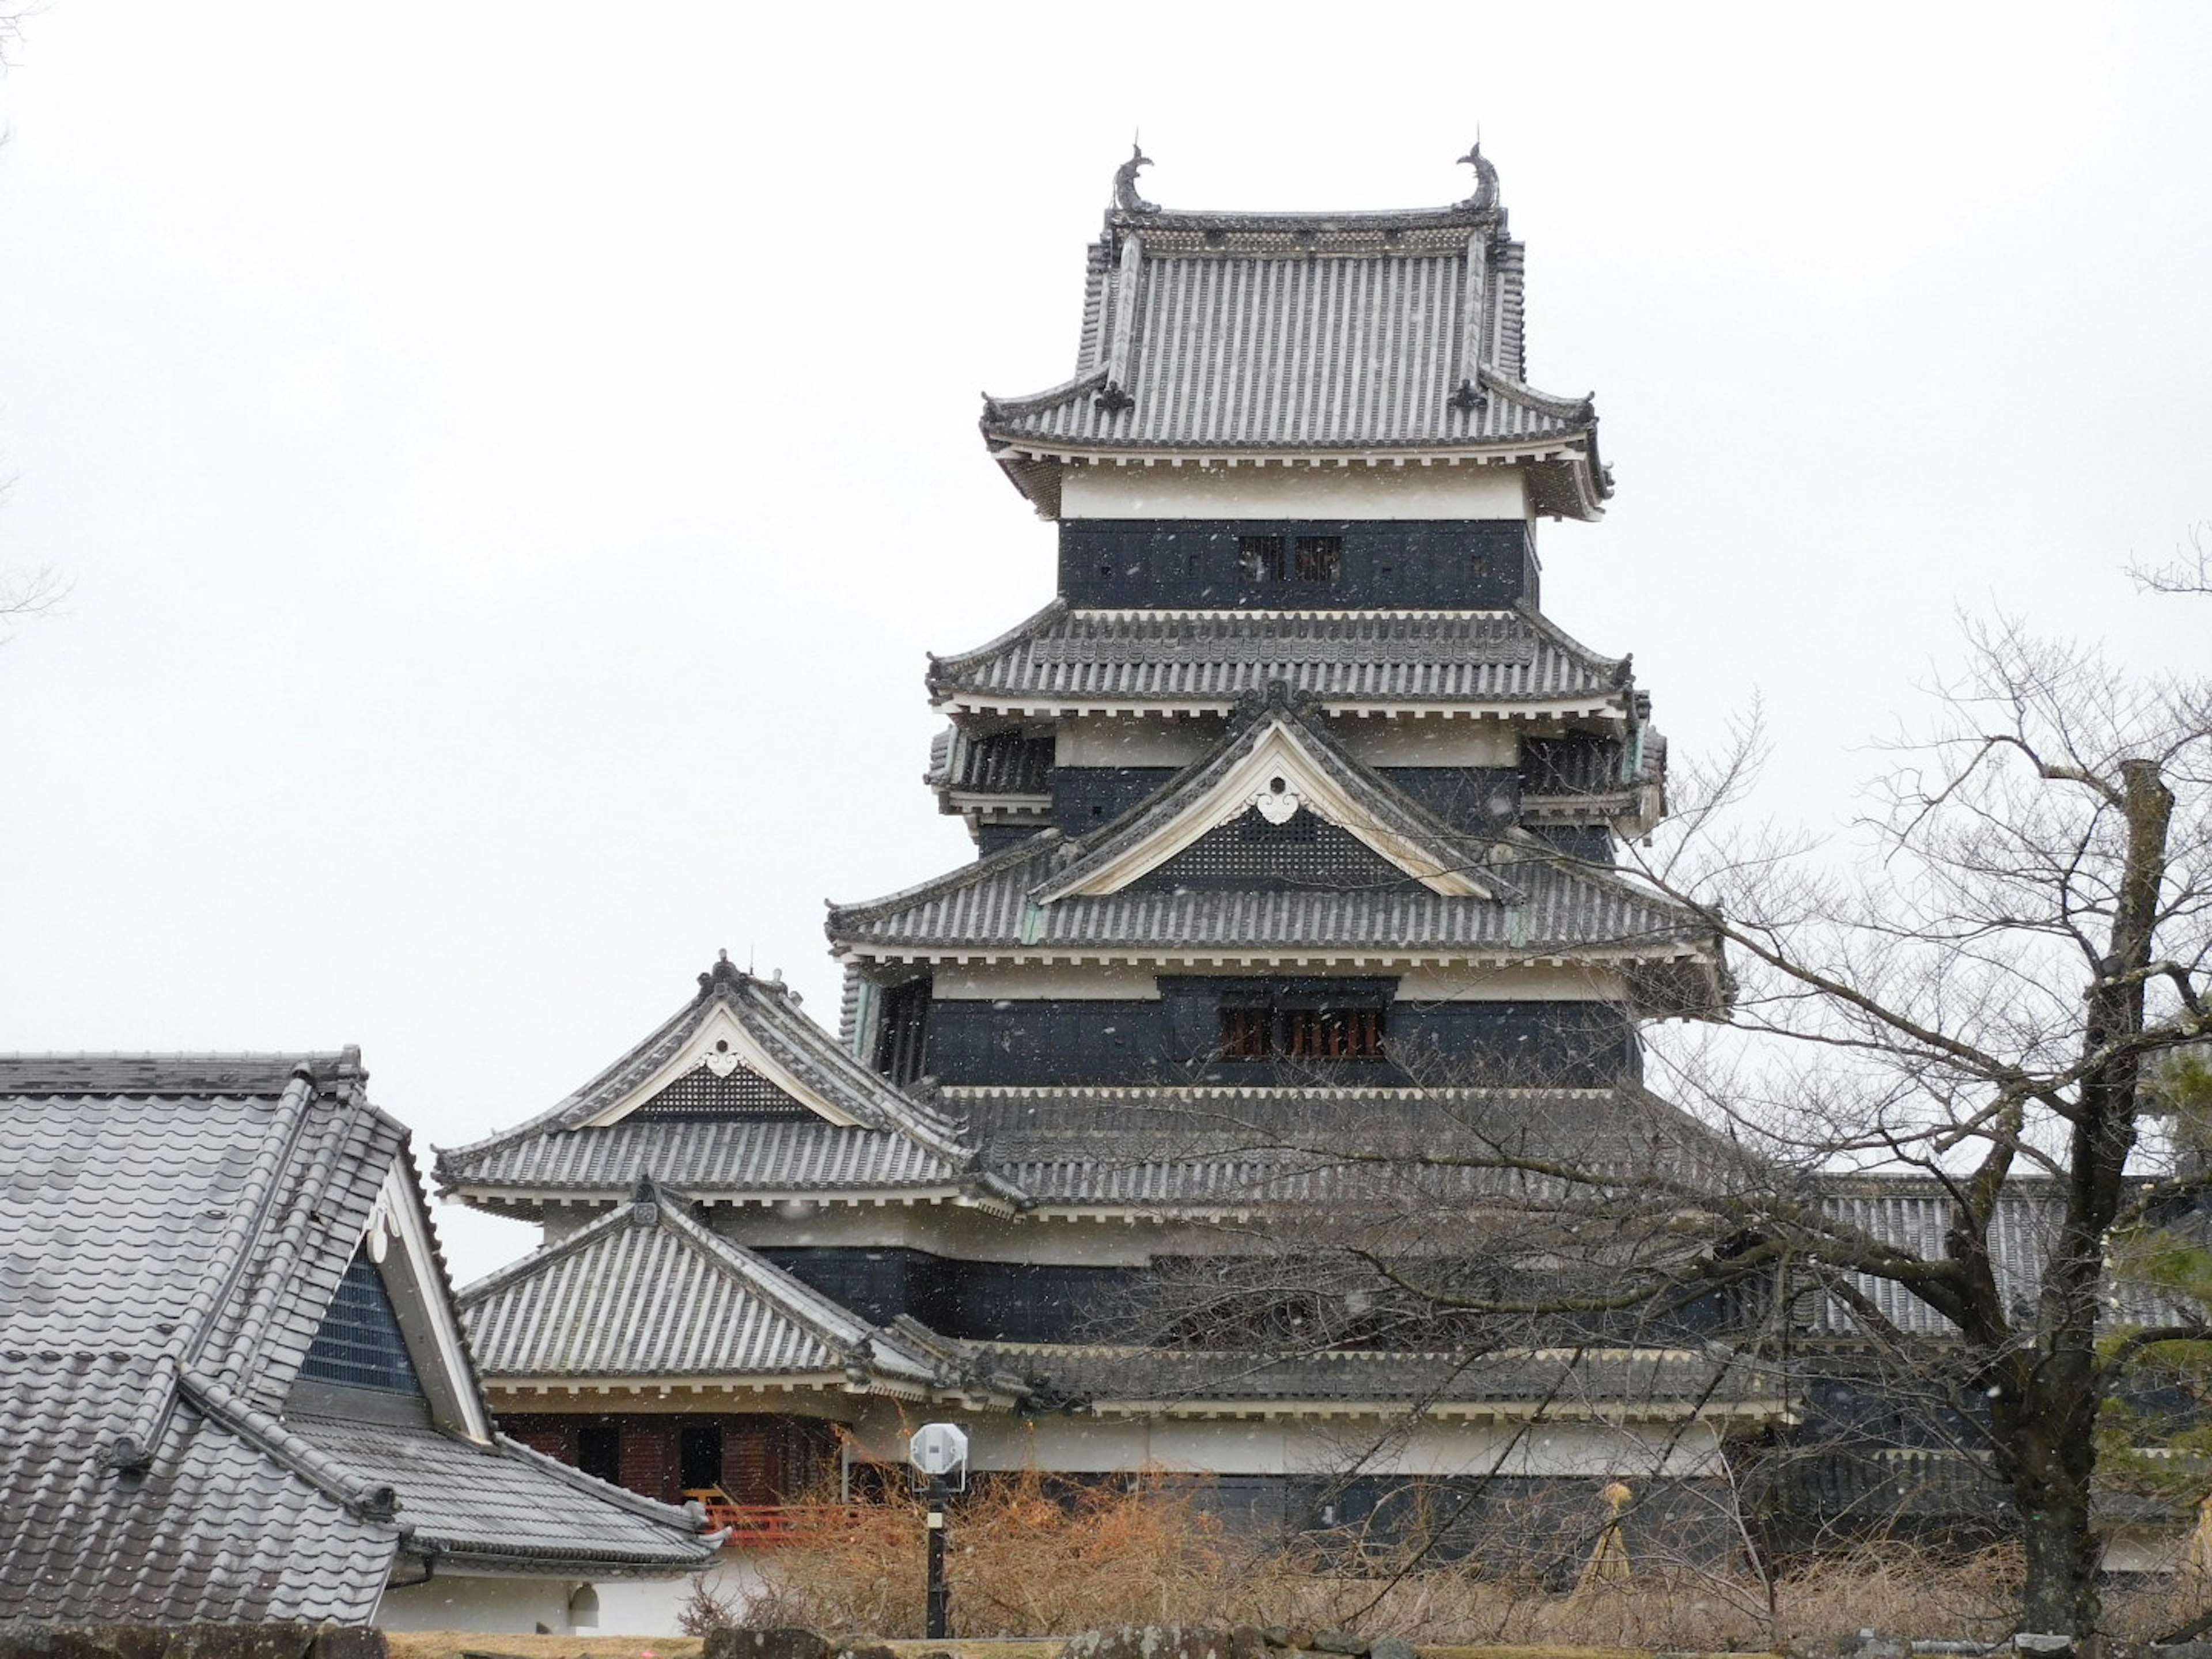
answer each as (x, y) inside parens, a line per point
(360, 1345)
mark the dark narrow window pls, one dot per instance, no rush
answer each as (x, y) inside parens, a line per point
(1259, 558)
(598, 1451)
(1318, 558)
(903, 1033)
(1301, 1023)
(1247, 1033)
(1333, 1033)
(698, 1457)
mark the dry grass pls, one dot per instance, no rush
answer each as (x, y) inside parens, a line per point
(1028, 1562)
(451, 1644)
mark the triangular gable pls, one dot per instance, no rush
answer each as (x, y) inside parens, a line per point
(398, 1244)
(1285, 767)
(757, 1319)
(720, 1045)
(359, 1344)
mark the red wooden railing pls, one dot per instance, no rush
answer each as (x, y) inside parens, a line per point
(766, 1526)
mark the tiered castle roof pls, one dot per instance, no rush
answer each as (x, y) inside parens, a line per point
(1368, 338)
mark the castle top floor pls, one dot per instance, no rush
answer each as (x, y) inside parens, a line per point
(1301, 368)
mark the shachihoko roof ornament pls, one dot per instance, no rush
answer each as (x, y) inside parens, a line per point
(1372, 338)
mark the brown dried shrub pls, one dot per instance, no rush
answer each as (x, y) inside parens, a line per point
(1029, 1557)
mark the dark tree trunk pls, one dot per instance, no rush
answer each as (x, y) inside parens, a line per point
(2048, 1400)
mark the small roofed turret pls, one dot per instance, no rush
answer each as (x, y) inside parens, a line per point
(1366, 340)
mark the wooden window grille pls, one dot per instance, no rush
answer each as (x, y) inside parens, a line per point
(1248, 1033)
(903, 1033)
(360, 1345)
(1333, 1033)
(1259, 558)
(1309, 1031)
(1318, 558)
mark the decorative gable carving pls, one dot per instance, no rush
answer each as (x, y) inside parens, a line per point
(1278, 778)
(723, 1051)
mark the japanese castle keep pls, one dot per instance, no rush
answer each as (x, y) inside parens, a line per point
(1295, 818)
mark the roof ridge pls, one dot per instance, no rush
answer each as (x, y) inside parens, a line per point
(1016, 852)
(271, 1437)
(149, 1420)
(792, 1295)
(1052, 610)
(1036, 403)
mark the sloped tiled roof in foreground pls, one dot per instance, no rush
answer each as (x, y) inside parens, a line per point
(1062, 659)
(1356, 334)
(648, 1290)
(895, 1144)
(172, 1231)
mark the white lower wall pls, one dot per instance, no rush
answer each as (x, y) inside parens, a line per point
(1581, 1450)
(651, 1607)
(453, 1601)
(563, 1606)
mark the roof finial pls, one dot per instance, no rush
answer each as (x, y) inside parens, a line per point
(1125, 182)
(1486, 177)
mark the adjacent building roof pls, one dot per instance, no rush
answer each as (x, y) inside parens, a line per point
(172, 1231)
(648, 1292)
(1064, 661)
(1362, 335)
(778, 1108)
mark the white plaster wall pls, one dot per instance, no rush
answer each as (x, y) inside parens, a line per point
(1303, 492)
(651, 1607)
(1132, 741)
(1377, 1445)
(1516, 984)
(1427, 743)
(452, 1600)
(1015, 981)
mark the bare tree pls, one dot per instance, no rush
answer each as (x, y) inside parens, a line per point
(1974, 999)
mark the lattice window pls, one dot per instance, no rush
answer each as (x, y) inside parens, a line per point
(1317, 558)
(700, 1094)
(1259, 558)
(903, 1031)
(1264, 1021)
(360, 1345)
(1303, 851)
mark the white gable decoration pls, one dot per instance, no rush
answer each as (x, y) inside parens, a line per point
(723, 1045)
(1279, 777)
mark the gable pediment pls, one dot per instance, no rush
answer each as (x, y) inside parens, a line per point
(1280, 776)
(723, 1059)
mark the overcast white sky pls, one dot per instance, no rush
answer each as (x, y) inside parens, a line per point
(513, 459)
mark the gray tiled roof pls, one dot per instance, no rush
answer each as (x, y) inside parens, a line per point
(1912, 1213)
(648, 1292)
(513, 1507)
(1571, 1381)
(710, 1157)
(1062, 659)
(899, 1143)
(1217, 1148)
(991, 905)
(170, 1237)
(1223, 333)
